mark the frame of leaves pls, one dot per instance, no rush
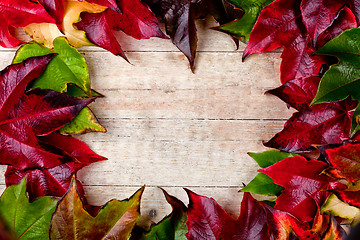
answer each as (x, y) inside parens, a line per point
(313, 181)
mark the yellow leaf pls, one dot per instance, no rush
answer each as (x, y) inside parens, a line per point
(45, 33)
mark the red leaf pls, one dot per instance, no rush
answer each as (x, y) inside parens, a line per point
(275, 27)
(19, 13)
(136, 20)
(280, 24)
(305, 186)
(208, 220)
(320, 125)
(56, 180)
(36, 113)
(180, 15)
(318, 15)
(55, 8)
(298, 93)
(345, 161)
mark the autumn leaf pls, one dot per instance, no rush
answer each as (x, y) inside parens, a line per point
(136, 20)
(345, 161)
(180, 16)
(28, 220)
(320, 125)
(45, 33)
(334, 207)
(241, 28)
(172, 227)
(341, 80)
(38, 113)
(305, 185)
(115, 220)
(208, 220)
(68, 66)
(257, 220)
(19, 13)
(54, 181)
(55, 8)
(262, 184)
(319, 15)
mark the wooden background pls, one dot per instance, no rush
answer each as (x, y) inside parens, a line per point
(171, 128)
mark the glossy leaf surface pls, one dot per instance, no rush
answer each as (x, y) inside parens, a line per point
(320, 125)
(341, 80)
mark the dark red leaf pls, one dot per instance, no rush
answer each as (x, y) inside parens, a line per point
(55, 8)
(305, 186)
(345, 161)
(298, 93)
(23, 117)
(208, 220)
(54, 181)
(180, 15)
(320, 125)
(257, 220)
(343, 21)
(19, 13)
(136, 20)
(318, 15)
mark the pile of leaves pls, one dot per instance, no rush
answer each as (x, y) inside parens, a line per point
(312, 180)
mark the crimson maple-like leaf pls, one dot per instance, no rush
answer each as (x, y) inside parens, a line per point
(56, 180)
(19, 13)
(135, 20)
(305, 185)
(320, 125)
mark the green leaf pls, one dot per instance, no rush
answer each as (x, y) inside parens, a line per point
(67, 72)
(342, 79)
(84, 122)
(115, 220)
(242, 27)
(27, 220)
(68, 66)
(262, 184)
(268, 158)
(172, 227)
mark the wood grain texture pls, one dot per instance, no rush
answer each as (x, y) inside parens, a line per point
(171, 128)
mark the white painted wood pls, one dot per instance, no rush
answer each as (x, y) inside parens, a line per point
(172, 128)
